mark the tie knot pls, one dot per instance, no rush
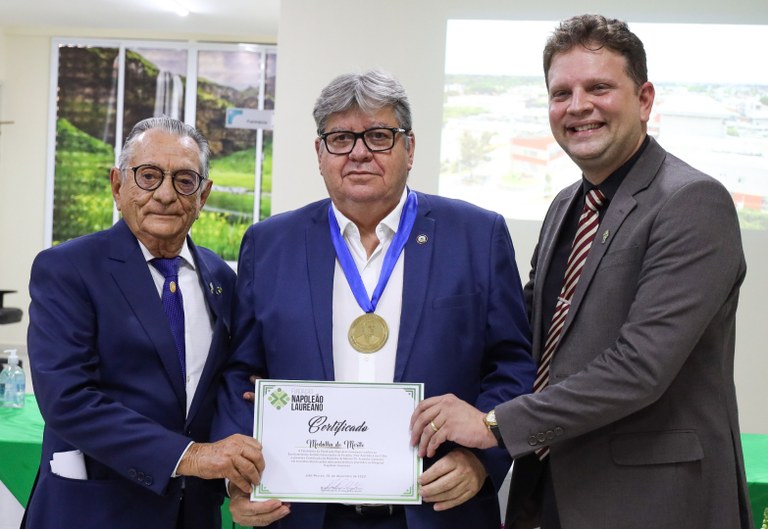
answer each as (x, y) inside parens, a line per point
(167, 267)
(595, 199)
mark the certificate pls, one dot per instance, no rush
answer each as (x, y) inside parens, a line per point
(337, 442)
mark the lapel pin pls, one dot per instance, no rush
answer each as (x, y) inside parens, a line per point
(210, 287)
(422, 239)
(606, 233)
(219, 291)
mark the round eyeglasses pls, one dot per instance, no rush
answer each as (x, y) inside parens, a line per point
(376, 139)
(149, 177)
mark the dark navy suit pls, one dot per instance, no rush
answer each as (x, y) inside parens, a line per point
(463, 327)
(108, 382)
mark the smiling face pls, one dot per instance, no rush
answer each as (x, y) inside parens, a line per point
(160, 219)
(364, 183)
(597, 113)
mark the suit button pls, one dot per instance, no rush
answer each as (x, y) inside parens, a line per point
(541, 437)
(148, 481)
(532, 440)
(550, 435)
(132, 473)
(140, 477)
(558, 431)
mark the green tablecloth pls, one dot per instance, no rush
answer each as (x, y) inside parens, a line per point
(755, 448)
(21, 435)
(21, 432)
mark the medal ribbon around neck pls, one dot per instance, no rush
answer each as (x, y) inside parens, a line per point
(347, 263)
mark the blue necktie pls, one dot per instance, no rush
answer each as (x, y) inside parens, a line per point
(173, 304)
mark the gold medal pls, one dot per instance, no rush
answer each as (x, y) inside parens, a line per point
(368, 333)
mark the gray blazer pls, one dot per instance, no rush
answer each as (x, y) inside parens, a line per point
(641, 415)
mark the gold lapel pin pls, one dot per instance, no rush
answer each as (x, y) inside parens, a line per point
(606, 233)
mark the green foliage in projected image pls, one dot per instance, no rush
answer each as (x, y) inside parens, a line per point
(229, 210)
(82, 200)
(753, 220)
(86, 134)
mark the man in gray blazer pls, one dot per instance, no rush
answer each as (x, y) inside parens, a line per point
(635, 424)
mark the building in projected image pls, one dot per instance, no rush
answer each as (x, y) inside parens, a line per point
(498, 151)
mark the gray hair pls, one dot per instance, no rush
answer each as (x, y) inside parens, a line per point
(172, 126)
(369, 91)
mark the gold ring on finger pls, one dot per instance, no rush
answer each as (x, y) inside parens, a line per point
(432, 424)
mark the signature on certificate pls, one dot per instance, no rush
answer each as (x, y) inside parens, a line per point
(342, 485)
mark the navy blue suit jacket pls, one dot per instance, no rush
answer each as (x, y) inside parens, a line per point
(108, 382)
(463, 328)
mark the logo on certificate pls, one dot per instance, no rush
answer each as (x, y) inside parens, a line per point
(279, 398)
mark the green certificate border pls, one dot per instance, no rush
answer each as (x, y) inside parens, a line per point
(272, 392)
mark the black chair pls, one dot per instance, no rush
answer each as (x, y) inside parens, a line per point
(8, 314)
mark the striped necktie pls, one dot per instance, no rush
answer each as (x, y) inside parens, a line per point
(585, 234)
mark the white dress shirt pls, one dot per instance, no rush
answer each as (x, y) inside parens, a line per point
(198, 322)
(349, 364)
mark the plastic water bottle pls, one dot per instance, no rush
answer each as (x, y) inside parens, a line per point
(12, 379)
(4, 376)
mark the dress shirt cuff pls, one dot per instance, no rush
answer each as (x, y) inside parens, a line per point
(174, 474)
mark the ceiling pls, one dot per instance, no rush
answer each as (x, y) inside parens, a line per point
(217, 18)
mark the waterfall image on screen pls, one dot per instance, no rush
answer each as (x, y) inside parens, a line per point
(169, 95)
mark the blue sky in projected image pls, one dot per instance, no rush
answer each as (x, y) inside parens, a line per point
(711, 109)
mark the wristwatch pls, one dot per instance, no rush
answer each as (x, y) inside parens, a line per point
(493, 426)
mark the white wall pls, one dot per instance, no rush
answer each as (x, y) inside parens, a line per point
(319, 40)
(22, 168)
(2, 58)
(405, 37)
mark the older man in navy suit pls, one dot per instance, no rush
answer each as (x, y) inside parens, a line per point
(318, 286)
(125, 354)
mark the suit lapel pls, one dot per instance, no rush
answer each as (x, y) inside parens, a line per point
(210, 284)
(418, 259)
(638, 178)
(213, 298)
(547, 240)
(132, 276)
(321, 261)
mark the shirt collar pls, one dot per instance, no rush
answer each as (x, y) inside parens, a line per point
(185, 254)
(610, 185)
(391, 221)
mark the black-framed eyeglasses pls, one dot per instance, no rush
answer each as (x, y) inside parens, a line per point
(149, 177)
(376, 139)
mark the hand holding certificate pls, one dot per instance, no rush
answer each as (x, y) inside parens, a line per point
(337, 442)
